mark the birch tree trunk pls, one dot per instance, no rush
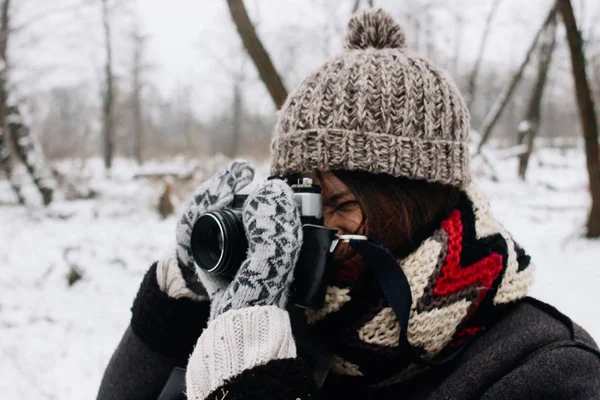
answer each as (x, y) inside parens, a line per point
(257, 52)
(6, 160)
(589, 123)
(15, 130)
(29, 152)
(529, 128)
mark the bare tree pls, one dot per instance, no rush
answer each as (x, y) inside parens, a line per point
(529, 127)
(238, 113)
(587, 113)
(136, 95)
(428, 33)
(29, 152)
(6, 160)
(13, 126)
(5, 33)
(108, 108)
(356, 5)
(65, 128)
(472, 90)
(5, 154)
(458, 33)
(257, 52)
(500, 104)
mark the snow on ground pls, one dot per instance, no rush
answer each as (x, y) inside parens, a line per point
(55, 340)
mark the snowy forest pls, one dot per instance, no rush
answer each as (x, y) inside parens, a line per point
(113, 111)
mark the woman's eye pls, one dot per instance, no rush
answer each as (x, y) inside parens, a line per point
(346, 205)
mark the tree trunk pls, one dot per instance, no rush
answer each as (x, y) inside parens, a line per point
(504, 97)
(585, 102)
(108, 113)
(16, 131)
(237, 117)
(4, 29)
(356, 5)
(482, 46)
(428, 33)
(29, 153)
(6, 159)
(261, 59)
(416, 29)
(458, 33)
(138, 124)
(530, 125)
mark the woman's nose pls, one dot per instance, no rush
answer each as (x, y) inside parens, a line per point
(334, 223)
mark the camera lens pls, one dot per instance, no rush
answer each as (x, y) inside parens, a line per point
(218, 242)
(214, 244)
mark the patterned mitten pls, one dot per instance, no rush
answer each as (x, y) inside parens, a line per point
(176, 274)
(274, 232)
(249, 325)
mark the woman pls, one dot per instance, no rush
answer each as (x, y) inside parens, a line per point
(384, 133)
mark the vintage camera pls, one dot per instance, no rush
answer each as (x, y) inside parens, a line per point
(219, 244)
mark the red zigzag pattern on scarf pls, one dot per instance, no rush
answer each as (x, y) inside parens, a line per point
(454, 277)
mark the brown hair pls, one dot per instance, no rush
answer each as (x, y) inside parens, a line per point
(399, 212)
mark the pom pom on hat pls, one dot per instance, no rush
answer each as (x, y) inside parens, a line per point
(376, 29)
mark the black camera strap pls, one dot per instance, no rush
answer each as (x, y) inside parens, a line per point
(315, 355)
(396, 289)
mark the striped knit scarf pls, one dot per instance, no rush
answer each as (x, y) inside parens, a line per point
(460, 279)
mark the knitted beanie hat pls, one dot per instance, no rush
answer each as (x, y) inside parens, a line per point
(375, 108)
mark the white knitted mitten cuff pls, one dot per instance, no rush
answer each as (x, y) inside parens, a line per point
(236, 341)
(171, 282)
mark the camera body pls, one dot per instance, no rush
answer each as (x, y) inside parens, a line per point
(219, 244)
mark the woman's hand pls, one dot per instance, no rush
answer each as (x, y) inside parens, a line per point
(176, 275)
(273, 229)
(248, 324)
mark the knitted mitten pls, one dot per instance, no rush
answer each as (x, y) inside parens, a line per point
(248, 324)
(176, 274)
(273, 229)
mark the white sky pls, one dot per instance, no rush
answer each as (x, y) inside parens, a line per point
(194, 42)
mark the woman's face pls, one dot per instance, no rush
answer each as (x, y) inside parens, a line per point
(341, 210)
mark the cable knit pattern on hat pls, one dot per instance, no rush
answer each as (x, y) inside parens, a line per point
(376, 108)
(236, 341)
